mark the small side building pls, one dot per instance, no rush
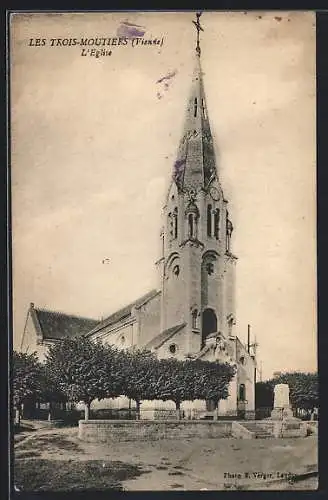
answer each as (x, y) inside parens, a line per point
(43, 328)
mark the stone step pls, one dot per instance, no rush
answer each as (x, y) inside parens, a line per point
(265, 435)
(259, 432)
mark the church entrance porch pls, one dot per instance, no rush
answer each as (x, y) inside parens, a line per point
(209, 324)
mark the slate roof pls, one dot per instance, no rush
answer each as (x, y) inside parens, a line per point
(124, 312)
(195, 164)
(159, 340)
(57, 325)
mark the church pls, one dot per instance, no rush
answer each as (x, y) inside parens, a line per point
(192, 312)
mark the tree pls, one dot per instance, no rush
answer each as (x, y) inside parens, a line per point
(175, 381)
(27, 380)
(139, 368)
(211, 380)
(263, 395)
(188, 380)
(84, 370)
(50, 392)
(303, 388)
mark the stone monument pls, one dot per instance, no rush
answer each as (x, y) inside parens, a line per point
(281, 405)
(284, 424)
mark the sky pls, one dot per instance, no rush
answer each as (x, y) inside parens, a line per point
(94, 141)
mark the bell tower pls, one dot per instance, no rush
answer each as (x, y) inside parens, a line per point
(198, 268)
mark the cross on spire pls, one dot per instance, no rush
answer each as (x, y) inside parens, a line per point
(198, 28)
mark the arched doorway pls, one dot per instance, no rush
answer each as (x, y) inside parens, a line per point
(209, 324)
(242, 392)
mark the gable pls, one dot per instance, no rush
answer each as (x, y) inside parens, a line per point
(174, 336)
(31, 335)
(163, 337)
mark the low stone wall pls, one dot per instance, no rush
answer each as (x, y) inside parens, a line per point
(171, 414)
(158, 414)
(102, 431)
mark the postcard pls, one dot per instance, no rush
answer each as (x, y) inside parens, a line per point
(163, 196)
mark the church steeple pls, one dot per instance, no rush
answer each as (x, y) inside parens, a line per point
(197, 266)
(195, 165)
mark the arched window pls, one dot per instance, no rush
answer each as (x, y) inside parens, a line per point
(176, 270)
(204, 109)
(242, 392)
(230, 326)
(195, 107)
(175, 223)
(216, 223)
(229, 229)
(170, 224)
(210, 268)
(191, 225)
(229, 232)
(194, 315)
(209, 220)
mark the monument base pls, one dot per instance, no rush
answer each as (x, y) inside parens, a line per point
(285, 424)
(281, 414)
(290, 428)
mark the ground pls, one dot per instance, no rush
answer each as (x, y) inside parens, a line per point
(55, 459)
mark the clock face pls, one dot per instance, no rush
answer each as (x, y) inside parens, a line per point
(214, 192)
